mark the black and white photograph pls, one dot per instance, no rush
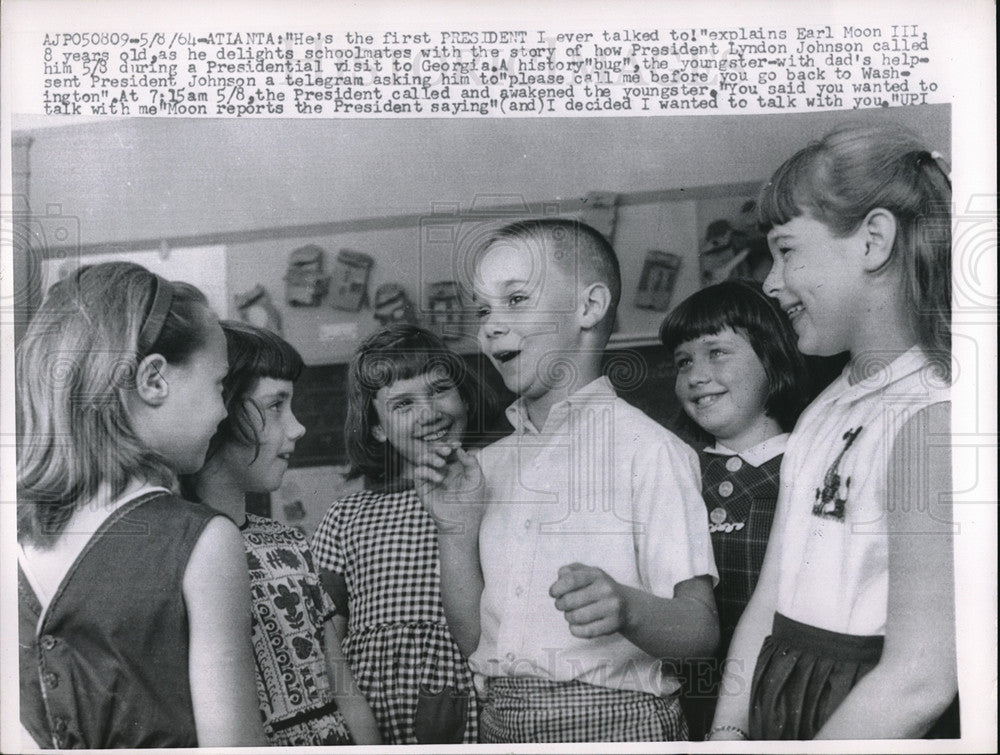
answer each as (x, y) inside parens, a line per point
(566, 378)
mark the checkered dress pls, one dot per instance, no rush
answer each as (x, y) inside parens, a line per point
(398, 644)
(528, 709)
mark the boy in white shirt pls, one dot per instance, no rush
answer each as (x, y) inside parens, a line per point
(576, 560)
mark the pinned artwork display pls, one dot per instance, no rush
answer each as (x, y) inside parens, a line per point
(255, 307)
(392, 304)
(733, 245)
(305, 282)
(444, 304)
(349, 280)
(656, 284)
(600, 211)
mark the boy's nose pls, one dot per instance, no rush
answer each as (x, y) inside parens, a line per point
(493, 326)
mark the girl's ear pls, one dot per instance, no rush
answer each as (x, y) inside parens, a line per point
(596, 301)
(880, 236)
(150, 383)
(378, 433)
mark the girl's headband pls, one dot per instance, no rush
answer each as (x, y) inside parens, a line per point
(163, 297)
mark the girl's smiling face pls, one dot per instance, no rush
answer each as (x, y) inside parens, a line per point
(261, 469)
(723, 387)
(817, 280)
(418, 413)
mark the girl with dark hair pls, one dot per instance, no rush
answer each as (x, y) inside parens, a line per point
(306, 693)
(741, 380)
(407, 394)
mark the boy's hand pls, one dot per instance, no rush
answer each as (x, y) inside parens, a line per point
(592, 602)
(450, 485)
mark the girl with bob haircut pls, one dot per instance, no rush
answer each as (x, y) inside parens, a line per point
(741, 380)
(741, 306)
(841, 632)
(119, 389)
(408, 394)
(307, 695)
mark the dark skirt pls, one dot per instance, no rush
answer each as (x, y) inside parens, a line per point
(803, 674)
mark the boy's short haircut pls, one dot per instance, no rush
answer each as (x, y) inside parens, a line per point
(580, 243)
(743, 307)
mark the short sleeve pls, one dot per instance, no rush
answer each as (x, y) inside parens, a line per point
(326, 606)
(673, 543)
(326, 542)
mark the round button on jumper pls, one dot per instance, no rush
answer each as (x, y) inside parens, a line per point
(50, 679)
(47, 641)
(734, 463)
(725, 488)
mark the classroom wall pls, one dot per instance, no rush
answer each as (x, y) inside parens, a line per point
(263, 187)
(260, 188)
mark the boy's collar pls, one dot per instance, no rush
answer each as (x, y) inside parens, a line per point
(757, 455)
(599, 390)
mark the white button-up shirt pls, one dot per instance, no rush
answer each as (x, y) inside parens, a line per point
(600, 484)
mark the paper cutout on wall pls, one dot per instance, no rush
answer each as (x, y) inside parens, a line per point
(305, 282)
(349, 281)
(600, 209)
(656, 284)
(444, 303)
(392, 304)
(255, 307)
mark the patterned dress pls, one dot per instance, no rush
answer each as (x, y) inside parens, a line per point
(290, 609)
(384, 545)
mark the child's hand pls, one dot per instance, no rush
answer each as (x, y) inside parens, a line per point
(592, 602)
(450, 485)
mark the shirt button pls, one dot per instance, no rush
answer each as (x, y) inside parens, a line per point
(725, 488)
(510, 657)
(51, 680)
(733, 463)
(519, 591)
(48, 641)
(527, 524)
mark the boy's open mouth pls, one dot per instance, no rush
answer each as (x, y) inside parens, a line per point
(505, 356)
(794, 310)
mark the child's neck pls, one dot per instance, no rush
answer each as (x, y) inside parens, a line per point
(223, 496)
(764, 428)
(865, 361)
(538, 408)
(884, 335)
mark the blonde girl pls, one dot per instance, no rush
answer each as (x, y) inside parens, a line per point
(134, 608)
(850, 632)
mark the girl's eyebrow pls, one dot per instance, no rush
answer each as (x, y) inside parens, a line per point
(276, 394)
